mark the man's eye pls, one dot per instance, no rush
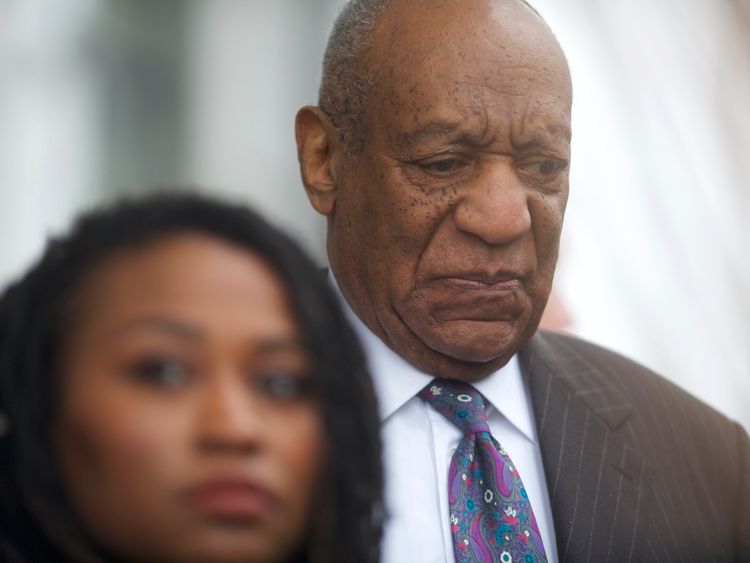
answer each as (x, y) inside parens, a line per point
(285, 386)
(163, 372)
(443, 166)
(547, 168)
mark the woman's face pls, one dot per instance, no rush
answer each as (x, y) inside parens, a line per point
(187, 429)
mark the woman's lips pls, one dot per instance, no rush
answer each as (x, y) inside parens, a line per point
(231, 499)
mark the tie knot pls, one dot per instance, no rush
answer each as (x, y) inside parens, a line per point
(458, 402)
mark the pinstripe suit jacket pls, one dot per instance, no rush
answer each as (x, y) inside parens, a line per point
(637, 469)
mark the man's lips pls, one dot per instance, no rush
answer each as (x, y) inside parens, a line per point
(480, 285)
(481, 282)
(231, 498)
(474, 297)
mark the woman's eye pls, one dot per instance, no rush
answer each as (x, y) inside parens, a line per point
(443, 166)
(164, 372)
(283, 385)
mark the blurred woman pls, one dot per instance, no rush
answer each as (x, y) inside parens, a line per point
(178, 385)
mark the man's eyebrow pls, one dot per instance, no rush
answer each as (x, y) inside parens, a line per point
(457, 132)
(551, 136)
(174, 327)
(441, 128)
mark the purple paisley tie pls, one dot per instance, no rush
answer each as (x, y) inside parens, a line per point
(490, 514)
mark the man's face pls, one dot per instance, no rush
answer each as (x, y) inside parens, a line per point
(445, 230)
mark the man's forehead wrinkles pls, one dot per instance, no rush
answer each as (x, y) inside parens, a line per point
(441, 121)
(512, 81)
(537, 128)
(524, 132)
(430, 130)
(559, 131)
(549, 142)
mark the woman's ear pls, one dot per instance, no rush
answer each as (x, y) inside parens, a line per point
(316, 140)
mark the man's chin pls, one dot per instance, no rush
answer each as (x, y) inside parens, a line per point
(449, 367)
(479, 349)
(470, 350)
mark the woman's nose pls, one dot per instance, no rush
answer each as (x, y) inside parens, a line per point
(228, 420)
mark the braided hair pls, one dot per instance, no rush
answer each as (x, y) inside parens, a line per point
(36, 523)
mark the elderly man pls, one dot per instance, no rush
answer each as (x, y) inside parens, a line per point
(439, 155)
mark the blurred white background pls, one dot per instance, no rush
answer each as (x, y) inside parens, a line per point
(101, 98)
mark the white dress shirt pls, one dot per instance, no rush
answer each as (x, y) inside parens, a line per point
(418, 444)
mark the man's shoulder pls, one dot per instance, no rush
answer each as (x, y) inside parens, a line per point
(680, 455)
(589, 400)
(567, 351)
(582, 364)
(573, 358)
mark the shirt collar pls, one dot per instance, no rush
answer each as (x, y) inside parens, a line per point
(506, 392)
(396, 381)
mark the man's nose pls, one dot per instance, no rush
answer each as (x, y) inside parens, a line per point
(495, 207)
(228, 420)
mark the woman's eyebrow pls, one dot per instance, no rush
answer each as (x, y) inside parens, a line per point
(182, 330)
(279, 345)
(174, 327)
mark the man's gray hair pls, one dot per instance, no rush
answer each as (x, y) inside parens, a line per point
(345, 82)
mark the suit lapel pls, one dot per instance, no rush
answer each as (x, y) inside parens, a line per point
(599, 484)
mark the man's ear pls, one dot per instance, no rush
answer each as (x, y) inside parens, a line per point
(316, 143)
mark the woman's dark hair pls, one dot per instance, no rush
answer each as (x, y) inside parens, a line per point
(35, 522)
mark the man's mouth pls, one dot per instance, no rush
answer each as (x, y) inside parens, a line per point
(481, 281)
(484, 284)
(474, 296)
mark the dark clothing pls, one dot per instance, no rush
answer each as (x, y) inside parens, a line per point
(637, 469)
